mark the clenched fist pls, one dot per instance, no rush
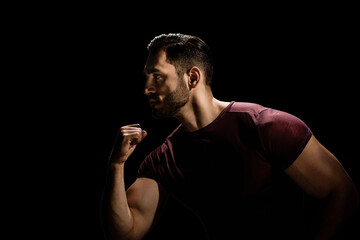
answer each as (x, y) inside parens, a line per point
(128, 138)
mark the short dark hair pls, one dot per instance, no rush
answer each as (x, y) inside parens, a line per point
(184, 52)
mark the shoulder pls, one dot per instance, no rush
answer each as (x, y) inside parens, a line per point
(166, 146)
(154, 164)
(270, 119)
(282, 135)
(246, 107)
(246, 113)
(263, 116)
(159, 164)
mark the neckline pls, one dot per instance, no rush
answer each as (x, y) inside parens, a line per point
(210, 125)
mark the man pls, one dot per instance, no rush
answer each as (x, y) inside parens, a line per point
(241, 167)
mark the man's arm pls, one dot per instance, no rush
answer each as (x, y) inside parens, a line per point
(321, 175)
(131, 212)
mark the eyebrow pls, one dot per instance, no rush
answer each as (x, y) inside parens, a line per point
(150, 71)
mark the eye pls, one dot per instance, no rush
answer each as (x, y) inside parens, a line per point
(157, 77)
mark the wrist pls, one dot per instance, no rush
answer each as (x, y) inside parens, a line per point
(117, 165)
(116, 159)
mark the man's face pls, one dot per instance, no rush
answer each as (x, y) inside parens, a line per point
(166, 90)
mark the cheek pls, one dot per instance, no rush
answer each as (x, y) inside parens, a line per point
(163, 90)
(166, 87)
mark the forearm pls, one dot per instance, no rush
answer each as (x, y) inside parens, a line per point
(120, 219)
(339, 205)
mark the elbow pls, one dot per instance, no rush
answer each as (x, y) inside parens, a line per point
(120, 235)
(116, 236)
(348, 195)
(353, 196)
(116, 233)
(356, 198)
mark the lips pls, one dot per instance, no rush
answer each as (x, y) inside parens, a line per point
(153, 99)
(153, 102)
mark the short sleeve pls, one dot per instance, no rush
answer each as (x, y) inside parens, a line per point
(149, 166)
(283, 136)
(158, 165)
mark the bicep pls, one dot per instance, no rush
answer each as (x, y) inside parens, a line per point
(317, 171)
(145, 197)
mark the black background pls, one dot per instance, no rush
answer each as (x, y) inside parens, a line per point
(78, 78)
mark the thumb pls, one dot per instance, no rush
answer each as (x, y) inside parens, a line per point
(143, 134)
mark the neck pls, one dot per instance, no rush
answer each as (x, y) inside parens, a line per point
(200, 112)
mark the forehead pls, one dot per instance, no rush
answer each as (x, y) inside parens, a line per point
(157, 62)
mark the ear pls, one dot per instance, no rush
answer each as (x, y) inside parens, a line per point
(194, 74)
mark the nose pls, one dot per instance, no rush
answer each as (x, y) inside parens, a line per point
(149, 88)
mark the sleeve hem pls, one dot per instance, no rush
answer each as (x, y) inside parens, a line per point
(299, 151)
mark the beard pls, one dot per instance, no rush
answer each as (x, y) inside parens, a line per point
(172, 102)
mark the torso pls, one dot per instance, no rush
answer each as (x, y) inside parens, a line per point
(223, 173)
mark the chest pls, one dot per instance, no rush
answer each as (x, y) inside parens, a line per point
(220, 162)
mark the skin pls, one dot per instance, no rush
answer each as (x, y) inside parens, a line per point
(133, 211)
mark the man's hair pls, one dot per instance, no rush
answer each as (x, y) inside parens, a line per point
(184, 52)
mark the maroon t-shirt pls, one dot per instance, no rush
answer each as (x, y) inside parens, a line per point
(231, 171)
